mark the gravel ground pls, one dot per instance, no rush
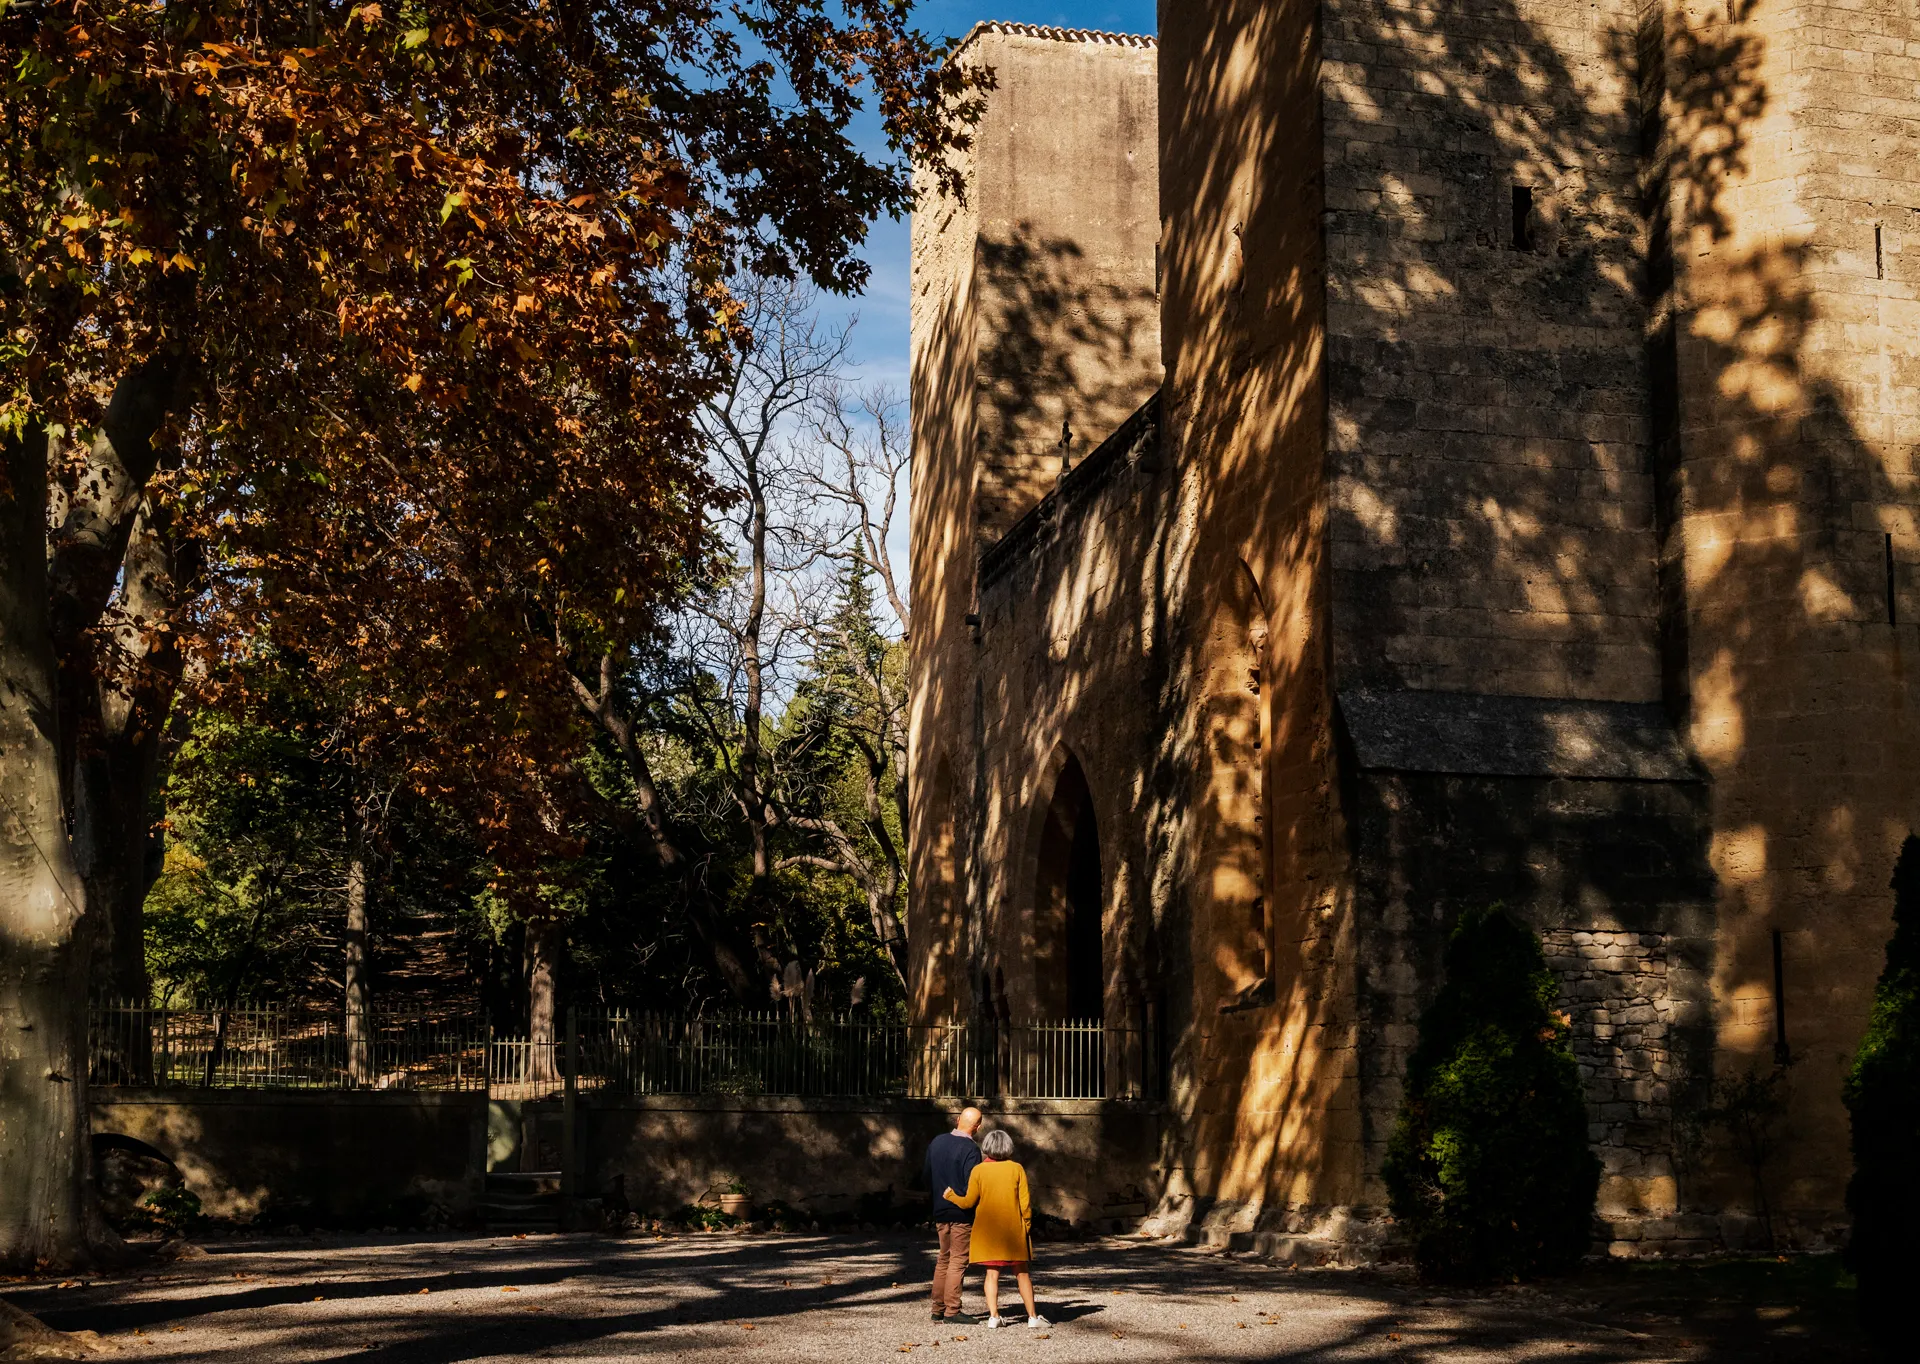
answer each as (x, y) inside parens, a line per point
(414, 1300)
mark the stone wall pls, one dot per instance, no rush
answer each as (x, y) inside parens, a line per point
(1793, 486)
(1488, 418)
(1088, 1161)
(1615, 987)
(331, 1157)
(1547, 371)
(1035, 334)
(360, 1158)
(1068, 180)
(1595, 866)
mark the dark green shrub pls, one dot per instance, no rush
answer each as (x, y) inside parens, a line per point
(1488, 1168)
(175, 1210)
(1883, 1095)
(694, 1217)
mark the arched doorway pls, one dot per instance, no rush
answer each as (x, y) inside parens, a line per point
(1068, 902)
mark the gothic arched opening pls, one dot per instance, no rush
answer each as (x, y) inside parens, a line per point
(1069, 968)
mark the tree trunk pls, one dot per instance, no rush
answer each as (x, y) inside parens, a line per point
(544, 937)
(752, 798)
(128, 709)
(603, 706)
(43, 928)
(359, 987)
(883, 882)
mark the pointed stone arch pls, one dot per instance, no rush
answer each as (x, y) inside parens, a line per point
(1066, 906)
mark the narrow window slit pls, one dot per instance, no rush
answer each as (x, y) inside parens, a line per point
(1523, 217)
(1879, 252)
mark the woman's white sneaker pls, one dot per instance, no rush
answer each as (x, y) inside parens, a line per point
(994, 1323)
(1036, 1321)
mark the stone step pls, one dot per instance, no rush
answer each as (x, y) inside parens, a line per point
(516, 1183)
(522, 1199)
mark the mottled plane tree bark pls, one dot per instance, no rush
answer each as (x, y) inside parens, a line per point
(43, 925)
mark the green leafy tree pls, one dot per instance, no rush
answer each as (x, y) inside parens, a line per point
(1488, 1167)
(841, 786)
(1883, 1095)
(273, 816)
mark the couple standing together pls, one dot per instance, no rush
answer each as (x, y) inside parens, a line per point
(990, 1224)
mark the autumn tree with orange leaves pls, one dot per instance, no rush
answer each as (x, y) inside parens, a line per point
(370, 335)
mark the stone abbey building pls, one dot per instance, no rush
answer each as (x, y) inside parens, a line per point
(1374, 457)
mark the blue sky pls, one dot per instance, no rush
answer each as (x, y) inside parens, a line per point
(880, 339)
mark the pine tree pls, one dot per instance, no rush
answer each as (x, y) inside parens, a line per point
(1488, 1166)
(1883, 1095)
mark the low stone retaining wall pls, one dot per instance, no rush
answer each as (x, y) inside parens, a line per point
(1088, 1160)
(374, 1157)
(331, 1157)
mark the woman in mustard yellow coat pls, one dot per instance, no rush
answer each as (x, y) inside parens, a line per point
(1003, 1226)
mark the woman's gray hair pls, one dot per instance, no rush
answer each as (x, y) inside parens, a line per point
(997, 1143)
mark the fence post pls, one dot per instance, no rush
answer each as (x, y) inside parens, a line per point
(567, 1158)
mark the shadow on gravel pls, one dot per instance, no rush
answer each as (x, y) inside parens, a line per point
(815, 1293)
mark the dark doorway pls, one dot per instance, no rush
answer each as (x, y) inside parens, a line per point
(1085, 980)
(1070, 976)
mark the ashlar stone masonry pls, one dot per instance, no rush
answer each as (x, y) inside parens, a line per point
(1375, 457)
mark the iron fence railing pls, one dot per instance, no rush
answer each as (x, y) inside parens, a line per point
(289, 1046)
(284, 1046)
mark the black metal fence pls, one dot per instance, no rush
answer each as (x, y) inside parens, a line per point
(290, 1046)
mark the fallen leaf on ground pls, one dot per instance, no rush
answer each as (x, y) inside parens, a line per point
(319, 1297)
(746, 1326)
(426, 1290)
(505, 1289)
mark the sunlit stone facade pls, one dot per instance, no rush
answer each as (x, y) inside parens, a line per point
(1490, 435)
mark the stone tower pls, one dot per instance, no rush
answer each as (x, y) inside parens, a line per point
(1036, 332)
(1525, 514)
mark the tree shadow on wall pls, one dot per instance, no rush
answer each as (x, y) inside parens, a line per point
(1502, 517)
(1067, 354)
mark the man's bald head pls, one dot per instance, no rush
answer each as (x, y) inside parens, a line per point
(968, 1122)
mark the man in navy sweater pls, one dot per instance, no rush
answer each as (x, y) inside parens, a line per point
(950, 1161)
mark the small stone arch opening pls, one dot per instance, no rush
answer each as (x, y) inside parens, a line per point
(1069, 903)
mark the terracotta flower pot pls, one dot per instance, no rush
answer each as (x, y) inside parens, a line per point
(735, 1204)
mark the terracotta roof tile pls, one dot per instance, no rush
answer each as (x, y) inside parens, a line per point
(1061, 35)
